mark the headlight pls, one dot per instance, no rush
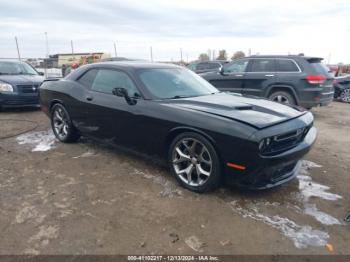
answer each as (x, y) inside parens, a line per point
(6, 87)
(264, 144)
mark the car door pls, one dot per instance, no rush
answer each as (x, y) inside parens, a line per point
(260, 74)
(110, 117)
(232, 77)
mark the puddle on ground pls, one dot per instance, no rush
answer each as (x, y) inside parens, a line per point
(302, 236)
(38, 140)
(298, 203)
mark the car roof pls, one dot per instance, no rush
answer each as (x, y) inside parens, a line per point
(286, 56)
(11, 60)
(135, 64)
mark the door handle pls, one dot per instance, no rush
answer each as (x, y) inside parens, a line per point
(89, 98)
(269, 75)
(239, 75)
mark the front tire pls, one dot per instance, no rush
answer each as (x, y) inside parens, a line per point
(282, 97)
(194, 162)
(345, 95)
(62, 125)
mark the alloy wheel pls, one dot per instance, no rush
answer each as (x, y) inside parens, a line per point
(281, 99)
(60, 123)
(192, 161)
(345, 95)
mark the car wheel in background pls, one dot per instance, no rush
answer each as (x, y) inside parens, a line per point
(194, 162)
(282, 97)
(62, 125)
(345, 95)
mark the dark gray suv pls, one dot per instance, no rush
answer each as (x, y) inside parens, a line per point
(206, 66)
(296, 80)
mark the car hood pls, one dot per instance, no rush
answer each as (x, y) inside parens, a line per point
(21, 79)
(257, 112)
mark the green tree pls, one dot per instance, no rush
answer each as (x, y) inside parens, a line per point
(238, 54)
(203, 57)
(222, 55)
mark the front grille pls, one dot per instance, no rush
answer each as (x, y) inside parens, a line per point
(28, 89)
(282, 172)
(285, 141)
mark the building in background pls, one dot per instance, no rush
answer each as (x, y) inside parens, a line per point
(80, 58)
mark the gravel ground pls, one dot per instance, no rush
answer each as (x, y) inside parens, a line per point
(87, 198)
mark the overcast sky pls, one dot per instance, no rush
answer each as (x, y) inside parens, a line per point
(320, 27)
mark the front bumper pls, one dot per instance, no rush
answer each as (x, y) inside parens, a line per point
(19, 100)
(271, 171)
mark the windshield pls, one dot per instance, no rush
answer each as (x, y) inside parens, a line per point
(167, 83)
(16, 68)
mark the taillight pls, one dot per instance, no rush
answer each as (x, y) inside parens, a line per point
(315, 79)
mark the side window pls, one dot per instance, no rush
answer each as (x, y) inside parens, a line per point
(88, 78)
(286, 65)
(202, 66)
(106, 80)
(263, 65)
(192, 66)
(238, 66)
(214, 65)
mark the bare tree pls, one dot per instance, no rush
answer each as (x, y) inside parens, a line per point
(203, 57)
(222, 55)
(238, 54)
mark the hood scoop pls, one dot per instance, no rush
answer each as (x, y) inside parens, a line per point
(242, 108)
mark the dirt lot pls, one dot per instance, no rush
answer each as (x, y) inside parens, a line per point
(87, 198)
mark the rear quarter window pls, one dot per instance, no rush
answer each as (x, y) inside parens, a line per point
(286, 65)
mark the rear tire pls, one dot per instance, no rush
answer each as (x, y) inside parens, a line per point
(194, 162)
(62, 125)
(282, 97)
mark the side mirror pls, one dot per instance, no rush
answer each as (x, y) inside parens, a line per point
(221, 70)
(122, 92)
(41, 73)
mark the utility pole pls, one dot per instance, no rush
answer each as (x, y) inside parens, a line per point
(213, 58)
(19, 55)
(329, 58)
(151, 53)
(47, 45)
(250, 52)
(115, 50)
(181, 55)
(72, 47)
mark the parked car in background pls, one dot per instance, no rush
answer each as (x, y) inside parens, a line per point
(19, 84)
(295, 80)
(205, 136)
(206, 66)
(342, 88)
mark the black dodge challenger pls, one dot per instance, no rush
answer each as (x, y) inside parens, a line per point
(206, 136)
